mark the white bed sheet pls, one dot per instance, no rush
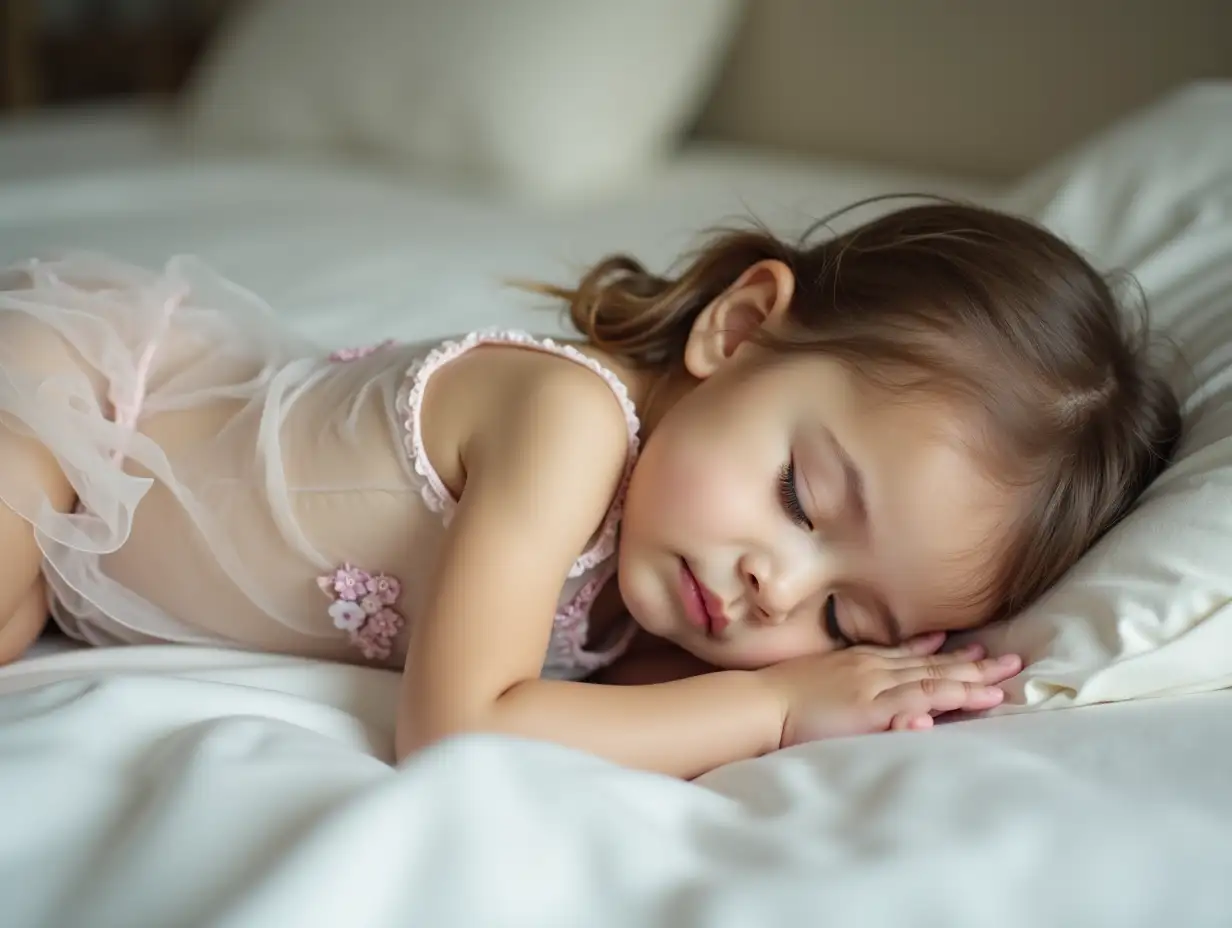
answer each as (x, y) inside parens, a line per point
(175, 786)
(162, 787)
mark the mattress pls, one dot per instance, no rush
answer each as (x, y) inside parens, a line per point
(184, 786)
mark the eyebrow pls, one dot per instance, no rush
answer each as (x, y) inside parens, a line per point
(855, 484)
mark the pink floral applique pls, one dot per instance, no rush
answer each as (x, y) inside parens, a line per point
(363, 608)
(375, 638)
(385, 588)
(347, 583)
(347, 616)
(354, 354)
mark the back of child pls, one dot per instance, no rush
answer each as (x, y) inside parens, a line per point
(236, 486)
(194, 473)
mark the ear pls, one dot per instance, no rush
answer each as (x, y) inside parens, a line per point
(761, 295)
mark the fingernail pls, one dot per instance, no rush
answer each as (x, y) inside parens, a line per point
(1008, 659)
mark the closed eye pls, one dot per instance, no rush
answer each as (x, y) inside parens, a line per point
(833, 629)
(790, 498)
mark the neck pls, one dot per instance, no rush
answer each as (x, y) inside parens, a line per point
(653, 392)
(660, 392)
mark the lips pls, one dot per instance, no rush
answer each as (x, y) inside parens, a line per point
(714, 608)
(702, 608)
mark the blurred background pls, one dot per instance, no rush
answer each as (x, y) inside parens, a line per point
(400, 159)
(974, 87)
(66, 51)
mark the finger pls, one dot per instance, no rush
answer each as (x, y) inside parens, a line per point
(919, 646)
(971, 652)
(988, 670)
(931, 695)
(907, 721)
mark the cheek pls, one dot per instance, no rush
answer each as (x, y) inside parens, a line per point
(702, 483)
(699, 501)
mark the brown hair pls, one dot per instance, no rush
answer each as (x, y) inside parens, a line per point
(966, 299)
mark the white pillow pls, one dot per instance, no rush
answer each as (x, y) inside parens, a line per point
(547, 98)
(1148, 612)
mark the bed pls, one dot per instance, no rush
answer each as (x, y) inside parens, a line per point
(180, 786)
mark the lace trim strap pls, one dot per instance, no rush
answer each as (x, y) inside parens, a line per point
(437, 496)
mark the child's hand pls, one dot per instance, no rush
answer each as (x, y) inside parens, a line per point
(866, 689)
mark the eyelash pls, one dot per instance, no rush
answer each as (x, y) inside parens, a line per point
(832, 626)
(791, 501)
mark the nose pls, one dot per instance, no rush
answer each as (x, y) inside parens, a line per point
(773, 593)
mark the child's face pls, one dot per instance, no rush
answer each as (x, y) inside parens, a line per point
(897, 528)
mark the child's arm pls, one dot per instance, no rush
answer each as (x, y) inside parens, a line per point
(542, 462)
(543, 456)
(24, 626)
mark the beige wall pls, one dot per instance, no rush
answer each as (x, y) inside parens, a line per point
(986, 87)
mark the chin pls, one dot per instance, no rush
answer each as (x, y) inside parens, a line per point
(649, 620)
(734, 661)
(717, 655)
(644, 603)
(730, 658)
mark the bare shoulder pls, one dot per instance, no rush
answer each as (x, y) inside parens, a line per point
(540, 444)
(518, 409)
(553, 415)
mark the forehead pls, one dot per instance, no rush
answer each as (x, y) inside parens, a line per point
(938, 520)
